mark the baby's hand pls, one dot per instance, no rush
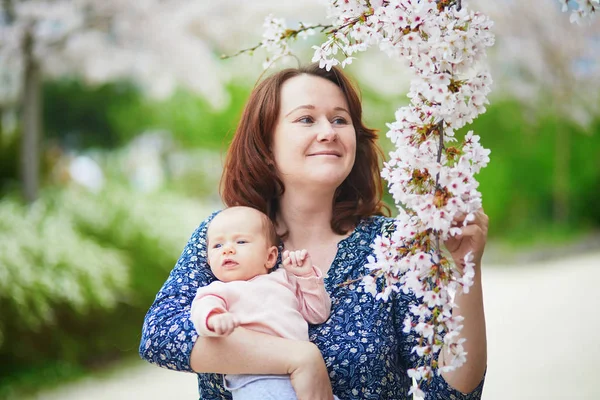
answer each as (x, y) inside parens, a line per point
(222, 324)
(297, 262)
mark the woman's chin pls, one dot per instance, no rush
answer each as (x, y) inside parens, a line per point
(321, 178)
(326, 183)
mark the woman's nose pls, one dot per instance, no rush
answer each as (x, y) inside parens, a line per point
(327, 133)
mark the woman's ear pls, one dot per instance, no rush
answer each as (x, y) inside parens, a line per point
(272, 257)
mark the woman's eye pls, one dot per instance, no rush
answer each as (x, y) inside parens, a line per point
(306, 120)
(340, 121)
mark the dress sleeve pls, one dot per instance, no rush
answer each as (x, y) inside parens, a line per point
(315, 304)
(168, 335)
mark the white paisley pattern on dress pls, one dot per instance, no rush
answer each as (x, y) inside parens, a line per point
(362, 342)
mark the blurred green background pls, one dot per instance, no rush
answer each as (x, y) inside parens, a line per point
(125, 177)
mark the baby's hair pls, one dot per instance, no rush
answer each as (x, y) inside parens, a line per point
(269, 228)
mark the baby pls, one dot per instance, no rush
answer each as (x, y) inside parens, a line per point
(242, 250)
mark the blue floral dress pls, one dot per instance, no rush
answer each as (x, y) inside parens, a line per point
(362, 343)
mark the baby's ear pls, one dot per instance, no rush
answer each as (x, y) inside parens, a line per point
(272, 257)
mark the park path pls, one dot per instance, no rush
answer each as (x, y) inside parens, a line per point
(543, 340)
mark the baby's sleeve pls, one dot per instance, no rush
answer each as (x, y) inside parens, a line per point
(314, 301)
(209, 299)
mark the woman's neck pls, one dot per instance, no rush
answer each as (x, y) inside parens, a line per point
(306, 218)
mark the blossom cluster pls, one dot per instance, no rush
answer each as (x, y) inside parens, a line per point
(584, 11)
(430, 173)
(276, 37)
(108, 40)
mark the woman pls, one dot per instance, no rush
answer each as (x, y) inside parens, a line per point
(302, 155)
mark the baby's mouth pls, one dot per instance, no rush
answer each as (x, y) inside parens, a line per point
(229, 264)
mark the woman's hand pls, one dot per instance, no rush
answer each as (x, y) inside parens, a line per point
(309, 374)
(472, 239)
(470, 306)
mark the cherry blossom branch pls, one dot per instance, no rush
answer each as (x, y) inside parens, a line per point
(351, 281)
(286, 35)
(430, 177)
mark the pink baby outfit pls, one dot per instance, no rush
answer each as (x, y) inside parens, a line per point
(278, 303)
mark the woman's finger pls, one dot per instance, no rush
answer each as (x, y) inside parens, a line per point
(469, 231)
(458, 218)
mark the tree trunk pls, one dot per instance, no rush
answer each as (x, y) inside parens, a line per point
(31, 123)
(562, 174)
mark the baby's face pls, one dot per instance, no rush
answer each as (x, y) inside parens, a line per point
(237, 247)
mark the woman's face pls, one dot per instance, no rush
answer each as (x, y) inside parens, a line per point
(314, 142)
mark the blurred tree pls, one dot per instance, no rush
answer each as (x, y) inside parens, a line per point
(553, 67)
(153, 42)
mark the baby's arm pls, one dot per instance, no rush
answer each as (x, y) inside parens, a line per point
(209, 312)
(315, 304)
(222, 324)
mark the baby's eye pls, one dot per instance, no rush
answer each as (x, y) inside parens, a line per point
(216, 245)
(242, 241)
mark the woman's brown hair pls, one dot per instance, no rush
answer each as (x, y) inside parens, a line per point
(249, 175)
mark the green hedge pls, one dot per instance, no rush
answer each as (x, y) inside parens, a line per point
(517, 185)
(77, 274)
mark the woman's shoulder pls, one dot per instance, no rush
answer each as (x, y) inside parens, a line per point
(377, 224)
(203, 226)
(196, 245)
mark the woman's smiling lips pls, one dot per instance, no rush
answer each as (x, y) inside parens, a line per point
(325, 153)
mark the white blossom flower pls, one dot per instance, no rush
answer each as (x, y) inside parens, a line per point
(430, 173)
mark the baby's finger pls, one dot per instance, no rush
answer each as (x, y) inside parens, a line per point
(285, 258)
(218, 327)
(303, 254)
(230, 325)
(293, 259)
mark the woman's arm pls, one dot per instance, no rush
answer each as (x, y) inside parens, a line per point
(465, 383)
(170, 340)
(249, 352)
(470, 306)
